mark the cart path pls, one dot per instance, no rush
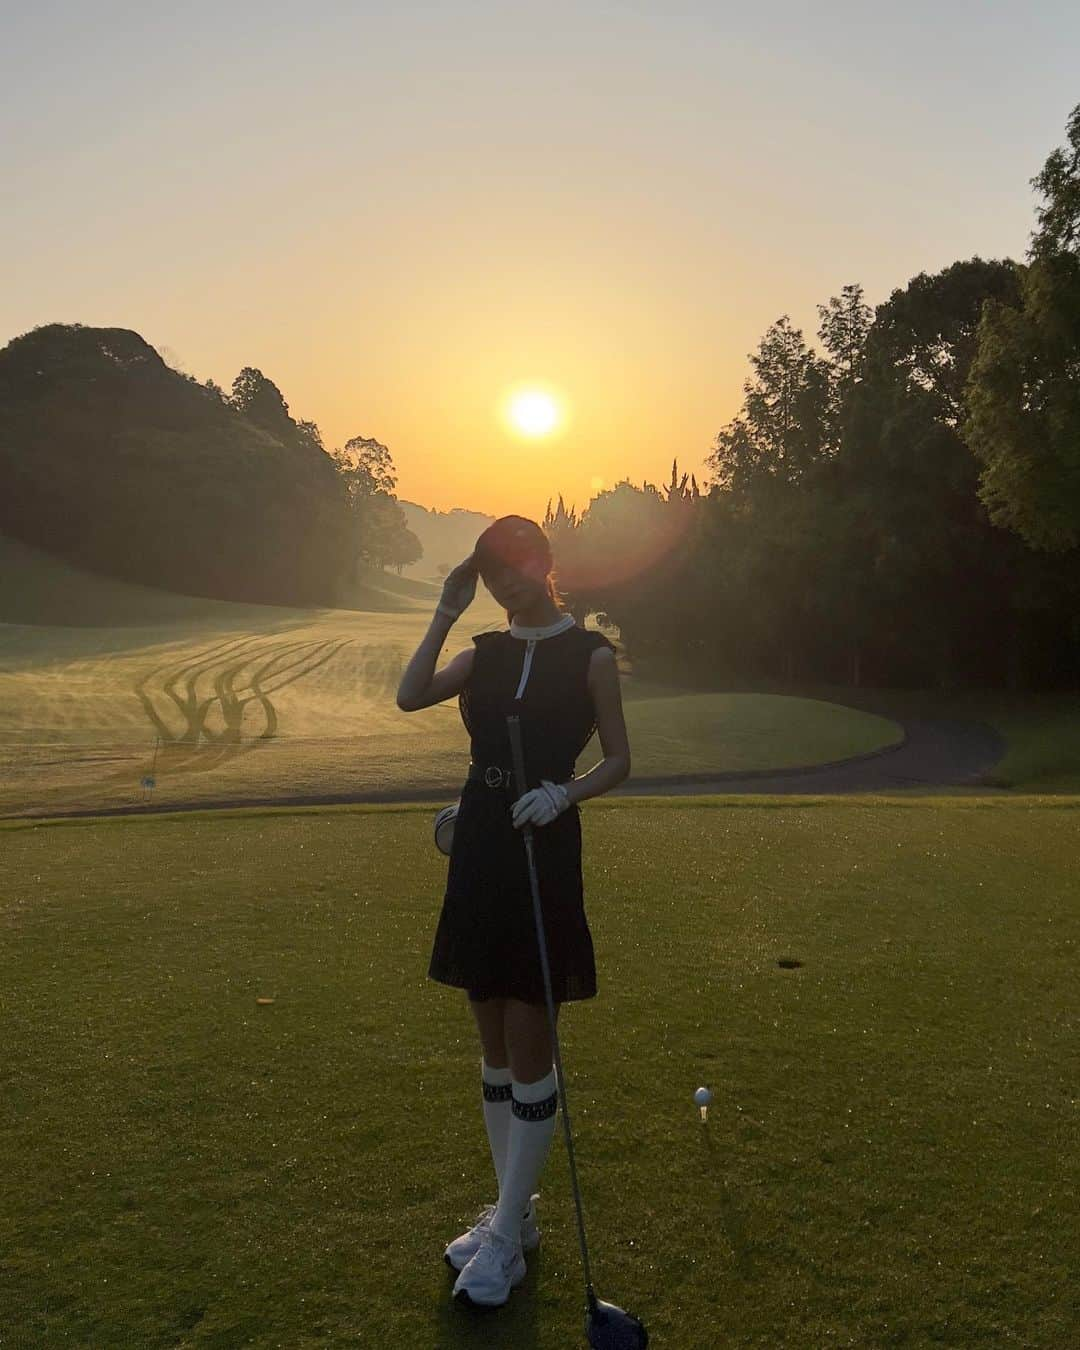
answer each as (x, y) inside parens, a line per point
(933, 753)
(936, 753)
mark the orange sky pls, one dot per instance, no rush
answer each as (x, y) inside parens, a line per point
(399, 212)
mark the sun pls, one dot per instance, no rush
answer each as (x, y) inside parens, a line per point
(533, 412)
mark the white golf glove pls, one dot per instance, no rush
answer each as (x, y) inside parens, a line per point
(540, 805)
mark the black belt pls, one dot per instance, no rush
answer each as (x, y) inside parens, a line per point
(496, 776)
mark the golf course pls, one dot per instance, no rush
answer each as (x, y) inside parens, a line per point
(239, 1114)
(540, 677)
(219, 701)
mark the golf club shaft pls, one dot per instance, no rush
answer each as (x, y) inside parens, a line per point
(513, 723)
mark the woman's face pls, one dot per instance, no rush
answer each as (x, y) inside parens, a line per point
(515, 587)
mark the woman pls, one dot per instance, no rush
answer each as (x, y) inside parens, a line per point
(563, 683)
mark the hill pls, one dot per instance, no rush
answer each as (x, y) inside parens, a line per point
(39, 588)
(446, 536)
(123, 466)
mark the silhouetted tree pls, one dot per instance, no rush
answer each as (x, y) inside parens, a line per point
(1023, 400)
(260, 401)
(780, 431)
(380, 532)
(116, 462)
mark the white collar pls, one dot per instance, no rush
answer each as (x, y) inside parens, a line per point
(520, 630)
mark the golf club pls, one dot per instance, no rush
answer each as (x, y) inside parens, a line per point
(607, 1327)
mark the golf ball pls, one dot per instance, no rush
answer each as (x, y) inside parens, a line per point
(702, 1097)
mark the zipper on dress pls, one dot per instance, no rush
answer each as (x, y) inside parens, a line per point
(526, 667)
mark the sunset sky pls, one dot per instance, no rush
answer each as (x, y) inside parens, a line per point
(401, 213)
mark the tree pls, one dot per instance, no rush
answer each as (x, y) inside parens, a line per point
(1059, 186)
(308, 436)
(122, 465)
(1023, 399)
(380, 533)
(260, 401)
(844, 325)
(904, 459)
(370, 463)
(628, 557)
(780, 431)
(927, 333)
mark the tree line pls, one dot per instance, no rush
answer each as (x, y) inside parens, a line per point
(124, 466)
(898, 507)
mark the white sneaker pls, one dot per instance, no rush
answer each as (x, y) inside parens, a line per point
(493, 1272)
(461, 1251)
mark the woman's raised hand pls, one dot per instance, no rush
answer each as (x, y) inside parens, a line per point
(459, 588)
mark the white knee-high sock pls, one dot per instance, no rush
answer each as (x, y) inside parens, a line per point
(532, 1123)
(496, 1086)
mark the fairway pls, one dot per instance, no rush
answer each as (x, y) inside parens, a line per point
(226, 702)
(891, 1152)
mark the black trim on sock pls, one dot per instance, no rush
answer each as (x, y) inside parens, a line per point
(542, 1110)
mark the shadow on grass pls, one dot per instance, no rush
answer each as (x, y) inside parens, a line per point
(515, 1323)
(730, 1210)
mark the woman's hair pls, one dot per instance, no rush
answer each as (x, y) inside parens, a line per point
(517, 540)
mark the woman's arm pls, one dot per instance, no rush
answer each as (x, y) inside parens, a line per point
(611, 727)
(420, 685)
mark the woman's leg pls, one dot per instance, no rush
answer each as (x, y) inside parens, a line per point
(534, 1102)
(495, 1079)
(489, 1014)
(528, 1039)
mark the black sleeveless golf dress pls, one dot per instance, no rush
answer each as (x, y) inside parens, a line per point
(485, 941)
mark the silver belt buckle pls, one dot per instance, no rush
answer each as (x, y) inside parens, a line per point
(497, 781)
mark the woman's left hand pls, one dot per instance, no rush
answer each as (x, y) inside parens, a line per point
(541, 805)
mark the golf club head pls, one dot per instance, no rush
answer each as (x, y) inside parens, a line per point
(610, 1328)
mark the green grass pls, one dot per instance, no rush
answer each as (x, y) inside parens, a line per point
(89, 663)
(674, 731)
(1041, 730)
(38, 588)
(104, 683)
(1043, 738)
(890, 1160)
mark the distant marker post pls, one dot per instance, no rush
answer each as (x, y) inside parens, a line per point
(149, 780)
